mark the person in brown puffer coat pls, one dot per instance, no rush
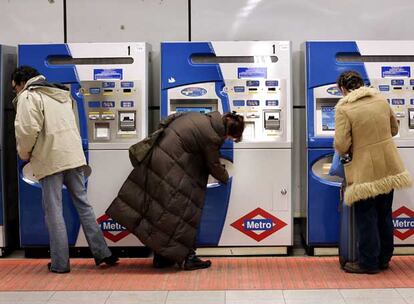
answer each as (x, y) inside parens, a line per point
(161, 201)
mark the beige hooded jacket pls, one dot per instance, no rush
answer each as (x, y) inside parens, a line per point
(46, 129)
(364, 127)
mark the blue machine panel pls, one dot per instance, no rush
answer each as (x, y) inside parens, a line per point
(323, 202)
(33, 230)
(214, 215)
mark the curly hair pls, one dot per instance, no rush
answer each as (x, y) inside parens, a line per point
(350, 80)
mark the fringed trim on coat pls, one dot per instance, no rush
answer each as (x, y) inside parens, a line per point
(357, 192)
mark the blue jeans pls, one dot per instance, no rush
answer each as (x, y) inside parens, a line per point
(375, 230)
(52, 206)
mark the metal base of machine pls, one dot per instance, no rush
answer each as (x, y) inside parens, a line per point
(6, 251)
(243, 251)
(84, 252)
(333, 251)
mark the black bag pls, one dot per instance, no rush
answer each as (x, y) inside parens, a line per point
(348, 243)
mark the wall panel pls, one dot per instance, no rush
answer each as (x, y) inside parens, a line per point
(31, 21)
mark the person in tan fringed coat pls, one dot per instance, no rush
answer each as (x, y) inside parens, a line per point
(364, 127)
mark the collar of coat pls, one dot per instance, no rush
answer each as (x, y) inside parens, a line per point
(54, 90)
(357, 94)
(28, 83)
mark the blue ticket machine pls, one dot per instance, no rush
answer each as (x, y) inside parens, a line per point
(109, 86)
(252, 78)
(384, 65)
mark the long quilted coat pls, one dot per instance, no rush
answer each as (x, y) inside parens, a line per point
(162, 199)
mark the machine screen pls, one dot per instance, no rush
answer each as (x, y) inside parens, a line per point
(202, 110)
(328, 118)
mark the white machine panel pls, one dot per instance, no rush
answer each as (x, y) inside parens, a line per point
(103, 185)
(262, 179)
(403, 203)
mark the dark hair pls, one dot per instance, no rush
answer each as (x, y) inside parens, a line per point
(234, 125)
(350, 80)
(23, 74)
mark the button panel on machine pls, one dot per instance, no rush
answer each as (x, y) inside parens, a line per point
(111, 109)
(260, 101)
(399, 93)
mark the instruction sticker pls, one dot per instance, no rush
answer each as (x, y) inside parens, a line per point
(251, 73)
(395, 71)
(99, 74)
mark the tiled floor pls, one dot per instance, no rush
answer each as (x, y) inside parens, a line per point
(227, 273)
(328, 296)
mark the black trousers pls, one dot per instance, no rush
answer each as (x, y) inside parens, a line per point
(375, 230)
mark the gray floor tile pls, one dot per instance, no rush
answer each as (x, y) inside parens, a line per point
(254, 296)
(34, 296)
(137, 297)
(317, 296)
(407, 294)
(372, 296)
(199, 297)
(79, 297)
(31, 302)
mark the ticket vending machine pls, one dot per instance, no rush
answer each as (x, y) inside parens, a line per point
(109, 86)
(9, 220)
(384, 65)
(254, 209)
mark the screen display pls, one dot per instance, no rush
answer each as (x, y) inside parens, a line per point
(202, 110)
(328, 118)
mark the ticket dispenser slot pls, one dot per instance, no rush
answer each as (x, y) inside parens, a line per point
(272, 120)
(203, 106)
(127, 122)
(102, 131)
(411, 118)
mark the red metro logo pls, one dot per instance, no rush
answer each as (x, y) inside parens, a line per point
(111, 229)
(258, 224)
(403, 225)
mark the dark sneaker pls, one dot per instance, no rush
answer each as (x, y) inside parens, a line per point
(384, 266)
(193, 262)
(49, 266)
(355, 268)
(161, 262)
(110, 261)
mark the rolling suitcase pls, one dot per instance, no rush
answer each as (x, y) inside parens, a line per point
(348, 244)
